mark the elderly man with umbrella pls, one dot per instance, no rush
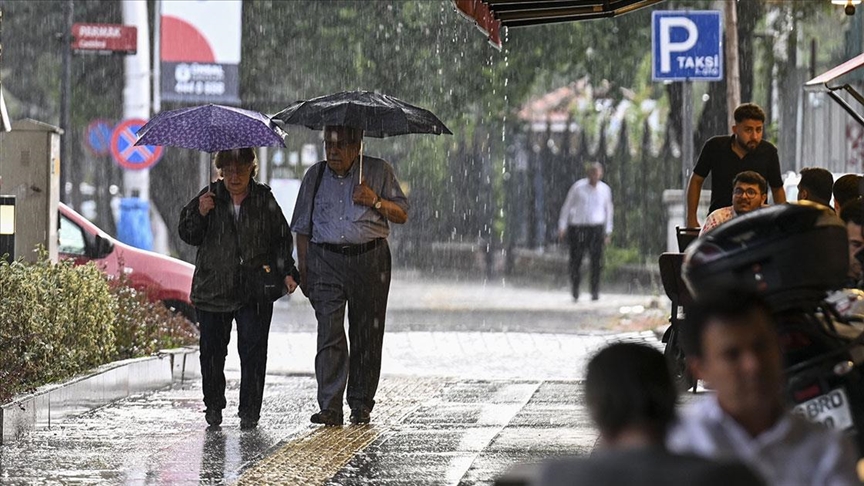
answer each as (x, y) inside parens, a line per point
(342, 219)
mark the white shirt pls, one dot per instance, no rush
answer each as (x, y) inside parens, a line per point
(587, 205)
(793, 452)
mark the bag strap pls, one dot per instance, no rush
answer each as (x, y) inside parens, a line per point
(315, 193)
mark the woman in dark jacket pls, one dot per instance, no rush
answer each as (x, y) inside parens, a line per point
(237, 226)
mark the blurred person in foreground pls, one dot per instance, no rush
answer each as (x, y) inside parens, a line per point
(724, 156)
(232, 221)
(749, 193)
(815, 185)
(631, 399)
(846, 188)
(733, 345)
(342, 218)
(586, 222)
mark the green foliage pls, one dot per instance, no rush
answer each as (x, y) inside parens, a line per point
(142, 327)
(615, 257)
(57, 320)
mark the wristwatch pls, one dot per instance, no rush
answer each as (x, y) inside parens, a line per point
(377, 204)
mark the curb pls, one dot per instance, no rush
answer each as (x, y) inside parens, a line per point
(103, 385)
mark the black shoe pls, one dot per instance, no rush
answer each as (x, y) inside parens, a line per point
(326, 417)
(359, 415)
(248, 423)
(595, 296)
(213, 417)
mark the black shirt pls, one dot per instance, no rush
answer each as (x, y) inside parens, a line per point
(718, 159)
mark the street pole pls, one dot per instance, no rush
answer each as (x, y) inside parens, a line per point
(686, 132)
(157, 56)
(136, 91)
(5, 124)
(65, 95)
(733, 73)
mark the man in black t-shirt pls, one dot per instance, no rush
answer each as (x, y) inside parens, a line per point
(726, 156)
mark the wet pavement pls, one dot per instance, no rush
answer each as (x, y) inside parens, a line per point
(458, 404)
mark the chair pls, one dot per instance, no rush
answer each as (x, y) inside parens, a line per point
(686, 236)
(676, 290)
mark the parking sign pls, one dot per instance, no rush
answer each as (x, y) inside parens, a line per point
(687, 45)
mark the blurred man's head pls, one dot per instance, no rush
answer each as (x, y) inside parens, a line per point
(749, 192)
(595, 172)
(846, 188)
(628, 388)
(816, 185)
(732, 344)
(749, 124)
(852, 214)
(341, 146)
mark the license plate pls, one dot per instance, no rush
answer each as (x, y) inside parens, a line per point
(830, 409)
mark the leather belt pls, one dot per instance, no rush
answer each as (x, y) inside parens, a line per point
(351, 249)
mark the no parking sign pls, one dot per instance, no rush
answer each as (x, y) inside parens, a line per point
(124, 150)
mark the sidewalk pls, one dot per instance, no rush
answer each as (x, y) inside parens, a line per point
(454, 407)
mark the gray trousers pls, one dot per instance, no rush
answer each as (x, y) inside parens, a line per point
(363, 283)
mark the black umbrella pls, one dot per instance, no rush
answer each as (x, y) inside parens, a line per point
(378, 115)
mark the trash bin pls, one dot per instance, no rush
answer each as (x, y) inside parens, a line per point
(134, 225)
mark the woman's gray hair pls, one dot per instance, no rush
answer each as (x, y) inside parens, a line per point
(241, 156)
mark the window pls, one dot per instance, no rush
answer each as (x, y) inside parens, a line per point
(71, 238)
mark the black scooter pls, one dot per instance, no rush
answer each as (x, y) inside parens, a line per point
(793, 255)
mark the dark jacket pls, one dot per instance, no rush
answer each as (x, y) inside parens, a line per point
(261, 231)
(646, 466)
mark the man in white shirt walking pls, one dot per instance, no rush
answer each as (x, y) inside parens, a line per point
(733, 344)
(586, 222)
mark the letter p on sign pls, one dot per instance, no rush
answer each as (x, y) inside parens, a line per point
(668, 46)
(687, 45)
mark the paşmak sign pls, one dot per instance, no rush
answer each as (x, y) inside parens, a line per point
(105, 38)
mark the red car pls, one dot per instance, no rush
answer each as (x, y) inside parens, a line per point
(165, 279)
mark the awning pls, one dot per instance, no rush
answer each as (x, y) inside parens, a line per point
(490, 15)
(822, 83)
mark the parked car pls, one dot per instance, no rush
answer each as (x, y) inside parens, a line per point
(165, 279)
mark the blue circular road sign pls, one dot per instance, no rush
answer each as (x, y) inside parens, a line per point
(98, 137)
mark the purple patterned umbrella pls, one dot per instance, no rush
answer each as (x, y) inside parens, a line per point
(211, 128)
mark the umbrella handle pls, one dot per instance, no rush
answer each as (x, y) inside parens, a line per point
(361, 162)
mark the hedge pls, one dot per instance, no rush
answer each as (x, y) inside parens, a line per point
(59, 319)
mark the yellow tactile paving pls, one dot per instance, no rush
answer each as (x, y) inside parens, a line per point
(315, 457)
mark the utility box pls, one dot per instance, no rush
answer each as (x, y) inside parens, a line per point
(30, 170)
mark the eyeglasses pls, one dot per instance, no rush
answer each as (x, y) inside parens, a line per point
(749, 192)
(233, 170)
